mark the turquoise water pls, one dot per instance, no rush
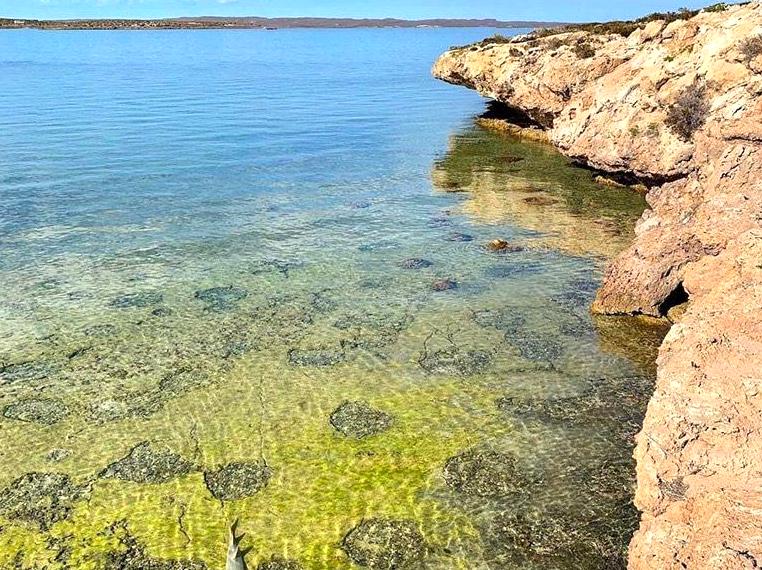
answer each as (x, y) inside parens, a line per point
(210, 240)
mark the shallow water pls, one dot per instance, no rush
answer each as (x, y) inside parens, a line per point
(206, 243)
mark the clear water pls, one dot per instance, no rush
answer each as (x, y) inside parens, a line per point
(301, 168)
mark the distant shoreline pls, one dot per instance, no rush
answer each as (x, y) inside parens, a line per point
(249, 23)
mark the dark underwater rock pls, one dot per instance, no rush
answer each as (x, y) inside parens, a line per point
(359, 420)
(137, 300)
(221, 299)
(319, 357)
(274, 266)
(441, 285)
(360, 204)
(45, 411)
(482, 473)
(100, 331)
(161, 312)
(535, 347)
(505, 320)
(148, 464)
(323, 303)
(502, 246)
(384, 544)
(455, 361)
(134, 557)
(41, 498)
(25, 371)
(57, 455)
(416, 263)
(559, 540)
(277, 563)
(238, 480)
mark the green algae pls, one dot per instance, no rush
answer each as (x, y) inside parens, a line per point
(245, 365)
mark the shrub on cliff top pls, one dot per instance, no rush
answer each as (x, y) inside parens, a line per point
(689, 111)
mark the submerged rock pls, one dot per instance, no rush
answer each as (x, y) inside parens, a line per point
(238, 480)
(359, 420)
(161, 312)
(277, 563)
(505, 320)
(322, 303)
(441, 285)
(502, 246)
(137, 300)
(41, 498)
(315, 357)
(482, 473)
(456, 362)
(221, 299)
(274, 266)
(134, 557)
(360, 204)
(416, 263)
(25, 371)
(147, 464)
(385, 544)
(100, 331)
(535, 347)
(559, 540)
(57, 455)
(45, 411)
(460, 237)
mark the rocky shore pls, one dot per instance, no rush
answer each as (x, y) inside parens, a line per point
(672, 103)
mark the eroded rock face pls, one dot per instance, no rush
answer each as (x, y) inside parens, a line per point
(614, 105)
(359, 420)
(238, 480)
(382, 544)
(148, 463)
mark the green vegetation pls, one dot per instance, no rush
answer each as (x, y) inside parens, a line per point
(688, 113)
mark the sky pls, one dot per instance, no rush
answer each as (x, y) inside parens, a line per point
(548, 10)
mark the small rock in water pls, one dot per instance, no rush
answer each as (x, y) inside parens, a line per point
(146, 464)
(274, 266)
(25, 371)
(45, 411)
(359, 420)
(444, 285)
(416, 263)
(323, 303)
(161, 312)
(441, 221)
(238, 480)
(100, 331)
(57, 455)
(221, 298)
(41, 498)
(137, 300)
(482, 473)
(277, 563)
(315, 357)
(384, 544)
(360, 204)
(502, 246)
(459, 237)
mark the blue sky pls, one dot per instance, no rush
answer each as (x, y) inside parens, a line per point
(559, 10)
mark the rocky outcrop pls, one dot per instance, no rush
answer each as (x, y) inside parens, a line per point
(675, 105)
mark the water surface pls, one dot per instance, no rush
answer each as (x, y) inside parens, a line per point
(210, 240)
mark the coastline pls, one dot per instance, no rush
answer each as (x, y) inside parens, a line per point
(675, 105)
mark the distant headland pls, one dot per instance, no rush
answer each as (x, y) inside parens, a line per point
(209, 22)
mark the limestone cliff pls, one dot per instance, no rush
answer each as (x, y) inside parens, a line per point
(676, 105)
